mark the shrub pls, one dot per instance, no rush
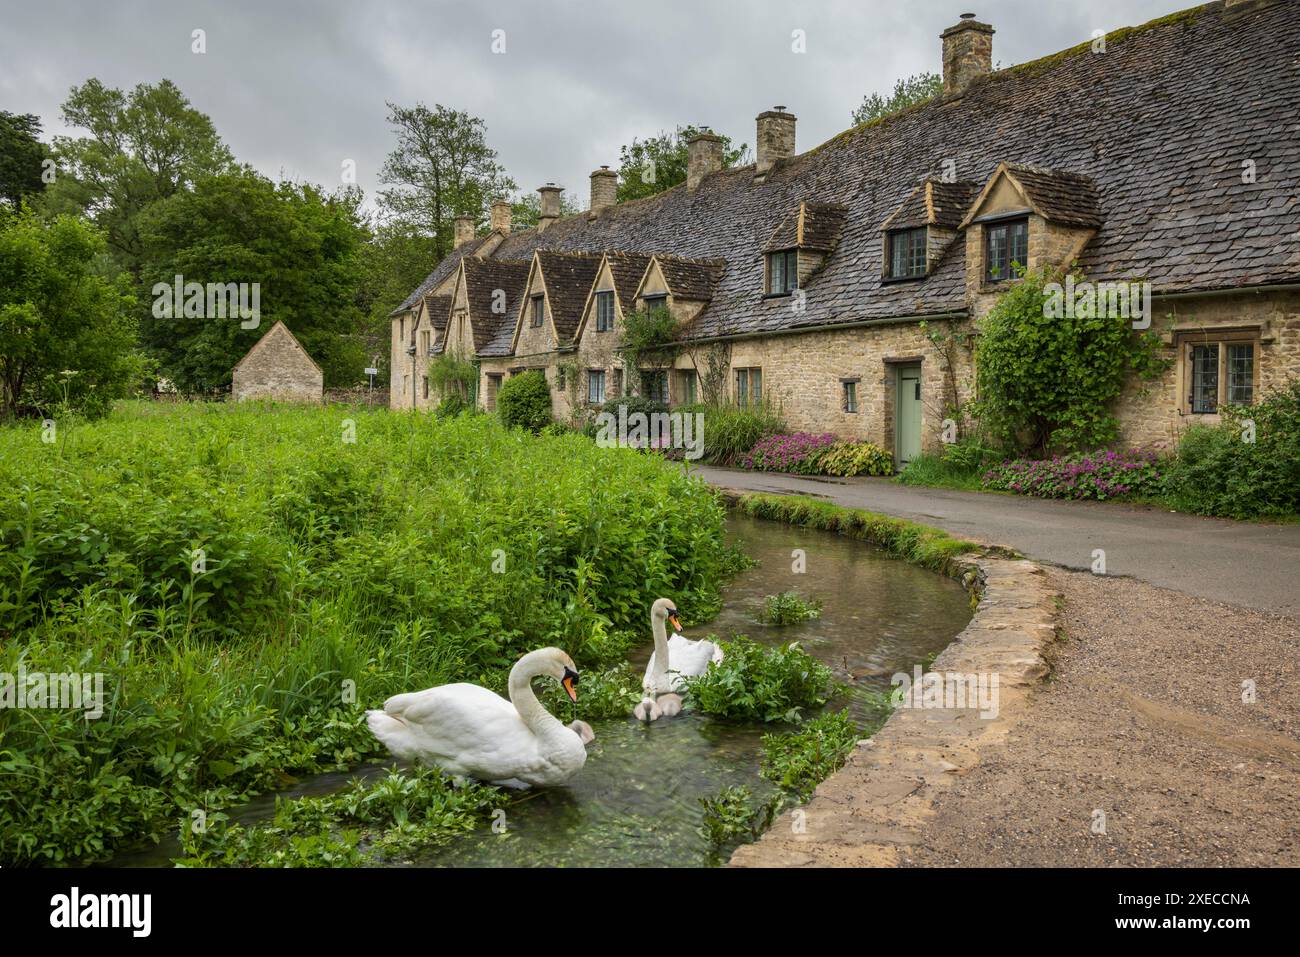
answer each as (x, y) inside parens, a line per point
(787, 453)
(787, 608)
(731, 430)
(1218, 472)
(524, 401)
(1084, 475)
(757, 683)
(452, 405)
(853, 458)
(1047, 381)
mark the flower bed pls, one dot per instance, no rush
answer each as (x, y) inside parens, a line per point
(1082, 475)
(805, 453)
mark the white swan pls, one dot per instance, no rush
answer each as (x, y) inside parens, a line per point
(670, 663)
(469, 731)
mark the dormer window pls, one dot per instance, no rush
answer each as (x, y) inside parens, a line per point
(604, 311)
(539, 311)
(782, 272)
(1005, 243)
(907, 253)
(656, 301)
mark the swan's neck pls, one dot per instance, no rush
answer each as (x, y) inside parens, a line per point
(661, 649)
(534, 715)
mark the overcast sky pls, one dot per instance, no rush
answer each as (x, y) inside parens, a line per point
(296, 88)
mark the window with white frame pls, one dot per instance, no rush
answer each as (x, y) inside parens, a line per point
(595, 386)
(604, 311)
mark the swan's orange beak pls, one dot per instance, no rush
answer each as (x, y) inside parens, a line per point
(570, 683)
(676, 624)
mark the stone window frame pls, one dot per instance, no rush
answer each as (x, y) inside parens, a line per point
(689, 385)
(604, 323)
(750, 375)
(426, 386)
(894, 235)
(494, 380)
(1185, 340)
(537, 316)
(850, 402)
(989, 227)
(788, 257)
(592, 375)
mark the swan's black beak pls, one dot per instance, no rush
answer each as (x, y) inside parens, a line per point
(570, 683)
(672, 616)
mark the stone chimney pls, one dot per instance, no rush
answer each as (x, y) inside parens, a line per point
(967, 53)
(775, 138)
(464, 230)
(550, 206)
(703, 156)
(501, 216)
(604, 189)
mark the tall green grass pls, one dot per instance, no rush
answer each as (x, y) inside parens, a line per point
(334, 574)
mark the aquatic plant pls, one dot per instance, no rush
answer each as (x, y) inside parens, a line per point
(731, 817)
(788, 608)
(797, 761)
(757, 683)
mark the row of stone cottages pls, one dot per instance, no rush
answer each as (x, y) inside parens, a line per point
(832, 281)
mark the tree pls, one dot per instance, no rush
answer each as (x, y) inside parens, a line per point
(67, 332)
(302, 248)
(395, 260)
(915, 89)
(658, 163)
(526, 209)
(442, 167)
(144, 146)
(21, 156)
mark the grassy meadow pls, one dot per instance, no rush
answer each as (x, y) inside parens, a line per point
(248, 579)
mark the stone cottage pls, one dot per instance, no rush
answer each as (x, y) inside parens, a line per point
(846, 283)
(278, 368)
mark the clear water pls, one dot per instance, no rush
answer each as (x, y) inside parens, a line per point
(636, 802)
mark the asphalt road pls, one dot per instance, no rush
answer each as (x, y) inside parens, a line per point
(1241, 563)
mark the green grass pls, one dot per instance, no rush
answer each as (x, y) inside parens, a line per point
(918, 544)
(935, 472)
(333, 574)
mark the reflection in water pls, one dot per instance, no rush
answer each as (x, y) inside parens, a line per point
(636, 802)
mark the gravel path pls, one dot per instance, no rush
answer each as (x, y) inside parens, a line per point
(1143, 720)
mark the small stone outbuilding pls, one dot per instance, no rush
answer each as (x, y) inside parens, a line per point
(278, 368)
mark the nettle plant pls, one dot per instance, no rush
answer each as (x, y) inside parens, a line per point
(1047, 382)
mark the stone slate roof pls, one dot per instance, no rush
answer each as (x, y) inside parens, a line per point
(483, 277)
(568, 278)
(934, 203)
(438, 309)
(1160, 125)
(809, 226)
(693, 279)
(1059, 196)
(444, 269)
(627, 270)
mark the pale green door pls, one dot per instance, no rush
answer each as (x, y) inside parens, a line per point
(907, 414)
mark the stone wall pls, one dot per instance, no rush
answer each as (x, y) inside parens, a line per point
(277, 368)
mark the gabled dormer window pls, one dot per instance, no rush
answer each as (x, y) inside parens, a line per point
(604, 311)
(782, 272)
(907, 253)
(655, 301)
(1005, 243)
(539, 311)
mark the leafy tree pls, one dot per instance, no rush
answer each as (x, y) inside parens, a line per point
(395, 260)
(442, 167)
(301, 246)
(658, 163)
(21, 154)
(1047, 382)
(143, 146)
(67, 333)
(915, 89)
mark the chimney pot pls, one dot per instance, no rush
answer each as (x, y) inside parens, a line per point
(775, 138)
(703, 156)
(463, 230)
(967, 53)
(604, 188)
(501, 216)
(550, 205)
